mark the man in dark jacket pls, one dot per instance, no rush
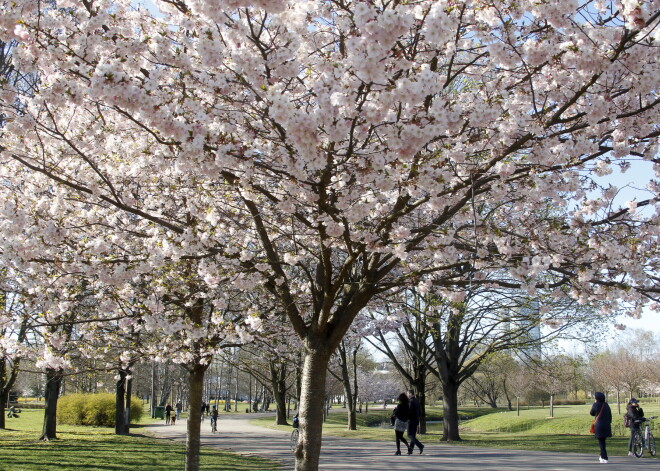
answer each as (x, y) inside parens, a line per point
(635, 416)
(603, 423)
(413, 422)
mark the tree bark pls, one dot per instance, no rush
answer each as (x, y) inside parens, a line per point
(52, 392)
(120, 403)
(350, 391)
(278, 382)
(153, 389)
(129, 393)
(419, 386)
(312, 400)
(450, 411)
(193, 440)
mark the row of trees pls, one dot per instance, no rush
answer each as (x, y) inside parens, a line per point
(178, 185)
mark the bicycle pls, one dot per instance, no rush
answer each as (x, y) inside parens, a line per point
(295, 435)
(214, 424)
(647, 441)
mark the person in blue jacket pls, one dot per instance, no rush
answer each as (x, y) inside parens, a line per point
(603, 425)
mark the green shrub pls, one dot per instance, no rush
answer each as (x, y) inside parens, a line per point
(71, 409)
(93, 409)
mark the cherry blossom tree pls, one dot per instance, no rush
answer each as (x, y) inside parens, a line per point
(330, 151)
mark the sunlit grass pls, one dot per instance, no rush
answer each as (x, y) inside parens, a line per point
(99, 449)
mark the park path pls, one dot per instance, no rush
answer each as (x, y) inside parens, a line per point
(236, 434)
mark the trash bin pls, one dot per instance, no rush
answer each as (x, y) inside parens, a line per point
(159, 412)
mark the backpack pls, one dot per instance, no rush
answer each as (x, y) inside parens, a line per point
(626, 420)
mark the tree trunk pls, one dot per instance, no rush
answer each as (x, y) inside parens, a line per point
(419, 386)
(153, 389)
(450, 411)
(278, 383)
(312, 401)
(552, 405)
(349, 393)
(193, 440)
(120, 403)
(129, 393)
(52, 392)
(4, 391)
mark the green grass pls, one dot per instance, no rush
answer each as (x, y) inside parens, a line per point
(567, 432)
(99, 449)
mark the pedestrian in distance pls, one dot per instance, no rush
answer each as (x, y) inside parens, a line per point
(602, 424)
(401, 415)
(413, 422)
(633, 418)
(179, 408)
(214, 418)
(168, 413)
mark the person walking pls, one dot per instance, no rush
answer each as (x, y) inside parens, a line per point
(214, 419)
(413, 423)
(633, 413)
(168, 413)
(401, 416)
(179, 408)
(602, 424)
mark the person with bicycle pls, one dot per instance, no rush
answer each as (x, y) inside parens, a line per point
(633, 419)
(214, 419)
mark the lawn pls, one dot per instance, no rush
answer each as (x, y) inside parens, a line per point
(567, 431)
(99, 449)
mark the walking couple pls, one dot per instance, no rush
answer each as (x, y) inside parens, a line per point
(406, 416)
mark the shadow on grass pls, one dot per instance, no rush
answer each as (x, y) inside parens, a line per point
(110, 452)
(616, 446)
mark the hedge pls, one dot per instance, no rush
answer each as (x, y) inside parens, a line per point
(93, 409)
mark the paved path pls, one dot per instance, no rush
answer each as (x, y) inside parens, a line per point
(237, 435)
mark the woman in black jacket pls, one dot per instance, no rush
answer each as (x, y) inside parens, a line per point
(401, 415)
(603, 424)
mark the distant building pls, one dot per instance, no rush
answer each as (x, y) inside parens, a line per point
(528, 321)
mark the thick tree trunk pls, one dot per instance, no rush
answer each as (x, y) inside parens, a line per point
(312, 400)
(120, 403)
(193, 441)
(450, 411)
(52, 392)
(278, 383)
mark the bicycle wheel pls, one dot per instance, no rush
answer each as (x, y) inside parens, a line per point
(294, 439)
(638, 445)
(651, 444)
